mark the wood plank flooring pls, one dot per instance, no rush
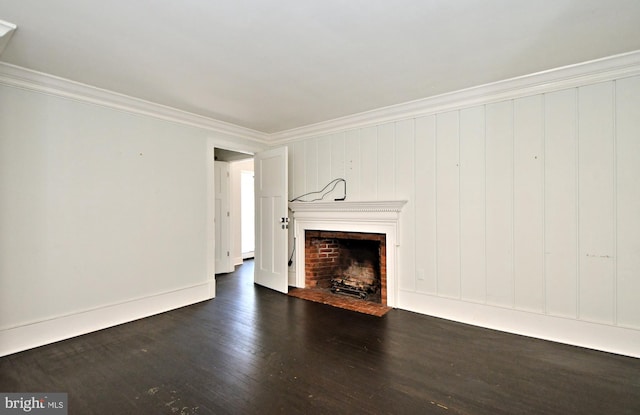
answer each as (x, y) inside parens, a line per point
(256, 351)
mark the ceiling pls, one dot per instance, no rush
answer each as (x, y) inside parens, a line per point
(272, 66)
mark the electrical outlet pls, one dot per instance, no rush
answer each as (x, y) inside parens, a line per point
(420, 274)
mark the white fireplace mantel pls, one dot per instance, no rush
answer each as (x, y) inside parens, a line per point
(370, 216)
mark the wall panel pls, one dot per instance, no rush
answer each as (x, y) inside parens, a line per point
(298, 169)
(323, 154)
(311, 165)
(596, 212)
(386, 161)
(425, 191)
(472, 205)
(528, 209)
(369, 164)
(628, 201)
(404, 190)
(448, 204)
(338, 165)
(352, 164)
(499, 208)
(561, 204)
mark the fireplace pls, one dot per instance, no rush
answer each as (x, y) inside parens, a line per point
(347, 263)
(357, 226)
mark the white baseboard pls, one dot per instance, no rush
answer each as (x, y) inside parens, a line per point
(19, 338)
(612, 339)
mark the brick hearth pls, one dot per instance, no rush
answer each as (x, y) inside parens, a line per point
(340, 301)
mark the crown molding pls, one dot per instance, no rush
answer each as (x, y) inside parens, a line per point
(24, 78)
(599, 70)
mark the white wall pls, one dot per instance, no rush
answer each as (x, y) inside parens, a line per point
(522, 214)
(105, 217)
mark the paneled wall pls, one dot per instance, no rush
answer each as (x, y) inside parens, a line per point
(528, 204)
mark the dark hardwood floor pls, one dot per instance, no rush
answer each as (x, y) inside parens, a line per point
(255, 351)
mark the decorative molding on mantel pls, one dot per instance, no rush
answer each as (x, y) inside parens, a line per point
(28, 79)
(571, 76)
(343, 206)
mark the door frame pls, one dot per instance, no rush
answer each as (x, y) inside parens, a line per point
(211, 145)
(222, 219)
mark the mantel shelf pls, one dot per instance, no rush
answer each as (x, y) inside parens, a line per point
(344, 206)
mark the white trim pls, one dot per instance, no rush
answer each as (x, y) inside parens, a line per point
(28, 79)
(211, 203)
(27, 336)
(601, 337)
(599, 70)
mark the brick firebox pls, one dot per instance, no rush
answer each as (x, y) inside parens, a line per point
(355, 258)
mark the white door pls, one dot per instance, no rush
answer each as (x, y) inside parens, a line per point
(271, 219)
(222, 218)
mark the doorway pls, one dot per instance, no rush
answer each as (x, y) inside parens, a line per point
(237, 244)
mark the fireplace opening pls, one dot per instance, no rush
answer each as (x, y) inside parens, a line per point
(346, 263)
